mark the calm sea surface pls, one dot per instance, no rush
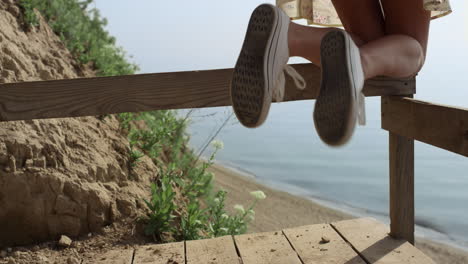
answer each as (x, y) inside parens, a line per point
(286, 153)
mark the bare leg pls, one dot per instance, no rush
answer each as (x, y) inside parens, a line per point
(304, 41)
(362, 19)
(402, 52)
(394, 46)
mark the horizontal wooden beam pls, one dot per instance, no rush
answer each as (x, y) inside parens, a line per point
(442, 126)
(146, 92)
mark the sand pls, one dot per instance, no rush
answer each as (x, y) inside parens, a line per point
(283, 210)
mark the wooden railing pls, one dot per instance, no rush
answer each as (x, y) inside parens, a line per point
(405, 118)
(145, 92)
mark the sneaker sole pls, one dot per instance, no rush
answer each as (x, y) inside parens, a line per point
(251, 85)
(335, 112)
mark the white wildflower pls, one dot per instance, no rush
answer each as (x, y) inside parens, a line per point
(225, 230)
(259, 195)
(239, 208)
(217, 144)
(224, 216)
(216, 200)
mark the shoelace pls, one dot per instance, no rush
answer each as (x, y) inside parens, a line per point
(278, 92)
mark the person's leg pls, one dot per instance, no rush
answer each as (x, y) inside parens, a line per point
(401, 53)
(362, 19)
(340, 101)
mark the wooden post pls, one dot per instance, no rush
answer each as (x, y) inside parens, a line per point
(401, 187)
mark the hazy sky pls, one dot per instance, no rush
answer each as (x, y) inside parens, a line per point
(164, 36)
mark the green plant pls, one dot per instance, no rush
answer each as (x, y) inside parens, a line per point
(135, 156)
(82, 31)
(200, 178)
(30, 17)
(125, 120)
(195, 182)
(239, 222)
(161, 208)
(218, 218)
(220, 223)
(193, 221)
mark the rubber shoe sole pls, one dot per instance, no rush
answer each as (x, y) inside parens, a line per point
(252, 83)
(335, 111)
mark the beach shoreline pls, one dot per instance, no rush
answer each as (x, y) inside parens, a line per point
(285, 210)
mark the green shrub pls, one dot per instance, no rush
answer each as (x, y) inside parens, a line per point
(135, 156)
(161, 208)
(193, 222)
(219, 219)
(125, 120)
(214, 220)
(82, 31)
(30, 17)
(220, 223)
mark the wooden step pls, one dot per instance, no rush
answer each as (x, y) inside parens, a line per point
(356, 241)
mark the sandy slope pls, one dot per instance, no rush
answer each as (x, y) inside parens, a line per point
(282, 210)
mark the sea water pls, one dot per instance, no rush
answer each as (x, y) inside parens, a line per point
(287, 154)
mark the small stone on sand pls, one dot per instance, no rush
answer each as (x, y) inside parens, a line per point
(64, 241)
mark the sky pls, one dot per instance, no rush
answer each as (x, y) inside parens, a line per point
(167, 36)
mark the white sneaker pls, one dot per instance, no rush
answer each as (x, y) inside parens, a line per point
(258, 76)
(340, 101)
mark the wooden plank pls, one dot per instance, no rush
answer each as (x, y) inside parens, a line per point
(438, 125)
(401, 187)
(211, 251)
(370, 238)
(160, 254)
(308, 243)
(145, 92)
(266, 248)
(116, 256)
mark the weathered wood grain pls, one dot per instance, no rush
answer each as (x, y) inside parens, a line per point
(350, 241)
(145, 92)
(401, 187)
(160, 254)
(116, 256)
(219, 250)
(442, 126)
(309, 243)
(370, 238)
(266, 248)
